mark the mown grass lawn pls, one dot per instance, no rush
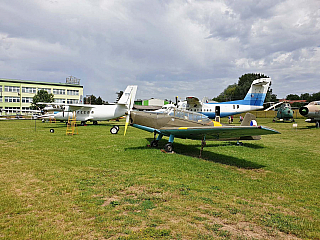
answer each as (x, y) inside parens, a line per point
(101, 186)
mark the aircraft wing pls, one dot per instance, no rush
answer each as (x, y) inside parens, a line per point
(218, 132)
(67, 107)
(193, 102)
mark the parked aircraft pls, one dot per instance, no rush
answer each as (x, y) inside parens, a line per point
(252, 101)
(192, 125)
(94, 113)
(284, 112)
(312, 112)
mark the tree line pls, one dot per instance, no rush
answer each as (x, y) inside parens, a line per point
(238, 91)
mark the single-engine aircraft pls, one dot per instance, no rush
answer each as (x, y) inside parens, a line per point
(192, 125)
(252, 101)
(284, 112)
(312, 112)
(94, 113)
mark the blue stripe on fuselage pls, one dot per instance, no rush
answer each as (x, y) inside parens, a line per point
(254, 99)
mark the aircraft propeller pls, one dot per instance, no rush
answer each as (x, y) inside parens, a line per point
(130, 106)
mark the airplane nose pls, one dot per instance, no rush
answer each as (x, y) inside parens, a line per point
(303, 111)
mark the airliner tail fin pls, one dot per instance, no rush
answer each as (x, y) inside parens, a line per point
(128, 95)
(258, 91)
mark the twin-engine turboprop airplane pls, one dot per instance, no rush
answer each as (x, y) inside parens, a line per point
(94, 113)
(252, 101)
(191, 125)
(312, 112)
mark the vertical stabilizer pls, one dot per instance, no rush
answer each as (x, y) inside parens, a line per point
(129, 95)
(258, 91)
(247, 120)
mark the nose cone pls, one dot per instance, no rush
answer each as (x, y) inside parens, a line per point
(303, 111)
(288, 113)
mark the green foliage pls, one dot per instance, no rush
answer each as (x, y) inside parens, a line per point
(94, 100)
(293, 97)
(239, 91)
(41, 96)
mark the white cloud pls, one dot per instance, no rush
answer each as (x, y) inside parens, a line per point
(167, 47)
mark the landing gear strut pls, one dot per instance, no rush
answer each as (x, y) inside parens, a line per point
(203, 144)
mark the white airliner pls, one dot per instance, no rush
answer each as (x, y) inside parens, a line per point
(93, 113)
(252, 101)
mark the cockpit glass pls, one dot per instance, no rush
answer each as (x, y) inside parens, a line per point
(191, 116)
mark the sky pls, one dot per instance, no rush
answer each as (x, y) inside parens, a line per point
(168, 48)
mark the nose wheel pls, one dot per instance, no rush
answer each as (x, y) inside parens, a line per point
(114, 130)
(168, 147)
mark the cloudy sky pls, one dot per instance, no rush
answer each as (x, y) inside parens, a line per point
(167, 47)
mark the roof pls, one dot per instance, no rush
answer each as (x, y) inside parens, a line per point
(37, 82)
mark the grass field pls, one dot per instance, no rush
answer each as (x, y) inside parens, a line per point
(101, 186)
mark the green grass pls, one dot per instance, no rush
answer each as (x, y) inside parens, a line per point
(98, 186)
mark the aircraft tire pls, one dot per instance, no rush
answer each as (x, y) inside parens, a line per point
(168, 147)
(154, 143)
(114, 130)
(117, 127)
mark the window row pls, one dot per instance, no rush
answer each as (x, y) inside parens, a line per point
(73, 92)
(11, 99)
(85, 112)
(29, 90)
(34, 90)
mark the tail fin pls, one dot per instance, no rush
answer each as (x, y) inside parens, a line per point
(129, 95)
(249, 120)
(258, 91)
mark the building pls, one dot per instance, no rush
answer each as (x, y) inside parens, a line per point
(150, 104)
(16, 95)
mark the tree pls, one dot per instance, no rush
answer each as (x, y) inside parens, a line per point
(227, 94)
(244, 84)
(240, 90)
(99, 101)
(93, 100)
(41, 96)
(293, 97)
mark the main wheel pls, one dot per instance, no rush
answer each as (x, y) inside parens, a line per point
(154, 143)
(114, 130)
(168, 147)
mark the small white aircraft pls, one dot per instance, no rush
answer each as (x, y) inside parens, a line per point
(252, 101)
(93, 113)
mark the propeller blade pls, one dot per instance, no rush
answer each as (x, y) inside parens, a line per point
(130, 106)
(127, 122)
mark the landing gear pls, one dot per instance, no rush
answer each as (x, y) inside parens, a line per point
(95, 122)
(154, 143)
(317, 124)
(239, 143)
(114, 130)
(168, 147)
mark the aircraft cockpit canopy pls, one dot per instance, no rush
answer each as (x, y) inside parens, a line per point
(191, 116)
(287, 105)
